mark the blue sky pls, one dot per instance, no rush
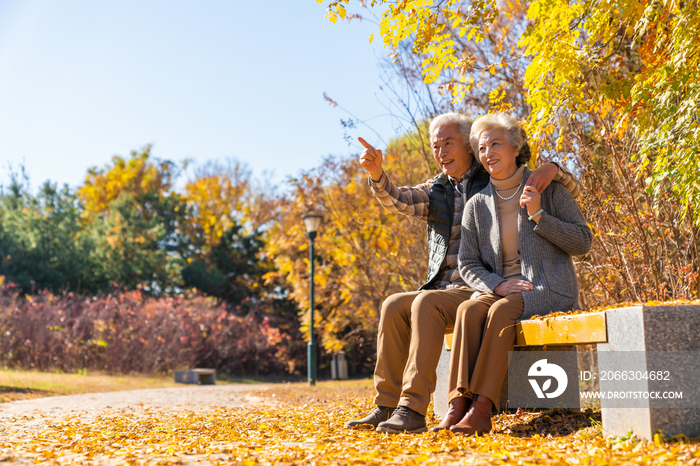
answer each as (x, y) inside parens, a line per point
(81, 81)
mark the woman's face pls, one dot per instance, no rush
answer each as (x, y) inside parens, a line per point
(496, 154)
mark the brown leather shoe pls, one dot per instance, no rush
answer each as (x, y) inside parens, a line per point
(477, 420)
(456, 411)
(379, 414)
(403, 420)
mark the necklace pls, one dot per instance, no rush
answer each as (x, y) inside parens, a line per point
(509, 197)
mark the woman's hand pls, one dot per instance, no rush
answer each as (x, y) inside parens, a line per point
(371, 160)
(512, 286)
(531, 199)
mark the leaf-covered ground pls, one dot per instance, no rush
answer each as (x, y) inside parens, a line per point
(302, 425)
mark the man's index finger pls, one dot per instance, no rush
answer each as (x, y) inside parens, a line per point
(365, 144)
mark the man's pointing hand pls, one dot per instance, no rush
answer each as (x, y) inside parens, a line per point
(371, 160)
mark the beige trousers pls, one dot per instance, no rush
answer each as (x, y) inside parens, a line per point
(479, 359)
(412, 327)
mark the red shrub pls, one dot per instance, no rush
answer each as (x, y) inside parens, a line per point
(132, 333)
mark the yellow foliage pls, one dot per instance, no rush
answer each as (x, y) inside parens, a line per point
(214, 204)
(299, 425)
(425, 21)
(137, 175)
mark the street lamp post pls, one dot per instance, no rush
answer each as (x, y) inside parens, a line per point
(312, 222)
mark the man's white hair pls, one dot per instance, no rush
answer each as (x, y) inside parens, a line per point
(517, 137)
(464, 122)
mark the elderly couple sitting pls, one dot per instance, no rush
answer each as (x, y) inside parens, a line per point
(494, 227)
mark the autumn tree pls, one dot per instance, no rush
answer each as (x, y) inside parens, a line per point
(220, 245)
(224, 234)
(364, 253)
(215, 200)
(634, 64)
(135, 218)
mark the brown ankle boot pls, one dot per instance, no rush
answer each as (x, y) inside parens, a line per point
(456, 411)
(477, 420)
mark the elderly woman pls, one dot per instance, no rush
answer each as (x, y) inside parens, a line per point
(516, 250)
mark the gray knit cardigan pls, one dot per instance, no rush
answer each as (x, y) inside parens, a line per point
(545, 248)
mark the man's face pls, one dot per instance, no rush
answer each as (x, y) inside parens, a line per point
(452, 155)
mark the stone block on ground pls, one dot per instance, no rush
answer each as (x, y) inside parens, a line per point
(196, 376)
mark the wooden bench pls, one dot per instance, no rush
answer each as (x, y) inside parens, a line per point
(631, 329)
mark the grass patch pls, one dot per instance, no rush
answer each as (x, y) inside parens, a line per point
(22, 385)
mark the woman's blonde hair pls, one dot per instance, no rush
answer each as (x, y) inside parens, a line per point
(517, 137)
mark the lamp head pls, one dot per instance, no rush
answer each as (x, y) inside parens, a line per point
(312, 222)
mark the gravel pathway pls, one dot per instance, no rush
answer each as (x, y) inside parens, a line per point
(175, 398)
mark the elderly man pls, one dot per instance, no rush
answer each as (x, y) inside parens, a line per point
(412, 325)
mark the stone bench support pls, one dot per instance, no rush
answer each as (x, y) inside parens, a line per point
(644, 331)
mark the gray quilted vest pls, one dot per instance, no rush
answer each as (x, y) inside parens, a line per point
(440, 213)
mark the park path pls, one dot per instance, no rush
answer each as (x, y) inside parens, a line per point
(191, 397)
(24, 421)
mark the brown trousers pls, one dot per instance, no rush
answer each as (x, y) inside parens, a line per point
(412, 327)
(479, 359)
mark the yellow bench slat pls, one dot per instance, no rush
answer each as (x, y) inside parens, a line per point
(576, 329)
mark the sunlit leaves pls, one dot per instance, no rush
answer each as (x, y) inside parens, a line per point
(424, 22)
(636, 64)
(215, 199)
(297, 425)
(133, 215)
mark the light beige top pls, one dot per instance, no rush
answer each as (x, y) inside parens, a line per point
(508, 213)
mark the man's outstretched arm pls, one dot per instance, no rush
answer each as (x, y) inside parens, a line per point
(413, 201)
(543, 176)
